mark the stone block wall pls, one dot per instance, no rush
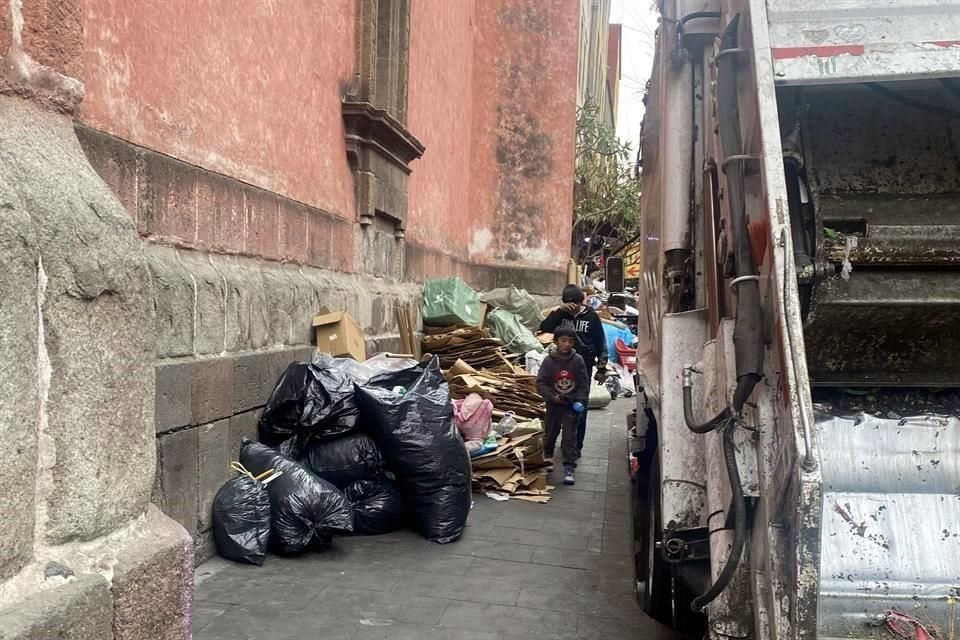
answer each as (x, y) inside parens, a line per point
(204, 408)
(84, 554)
(237, 275)
(226, 329)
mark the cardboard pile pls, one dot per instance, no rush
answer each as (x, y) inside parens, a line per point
(475, 346)
(516, 468)
(476, 362)
(508, 387)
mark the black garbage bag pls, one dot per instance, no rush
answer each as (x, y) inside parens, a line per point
(344, 460)
(241, 520)
(378, 506)
(420, 443)
(305, 511)
(315, 400)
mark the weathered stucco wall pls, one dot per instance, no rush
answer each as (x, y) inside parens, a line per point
(493, 98)
(524, 90)
(491, 94)
(440, 112)
(249, 90)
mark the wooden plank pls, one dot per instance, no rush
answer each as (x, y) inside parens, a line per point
(405, 345)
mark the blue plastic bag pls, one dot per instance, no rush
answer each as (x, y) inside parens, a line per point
(612, 334)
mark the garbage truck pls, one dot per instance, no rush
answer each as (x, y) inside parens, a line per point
(796, 441)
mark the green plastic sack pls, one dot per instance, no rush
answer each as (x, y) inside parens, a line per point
(516, 301)
(448, 302)
(515, 337)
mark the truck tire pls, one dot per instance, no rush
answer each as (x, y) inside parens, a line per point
(653, 571)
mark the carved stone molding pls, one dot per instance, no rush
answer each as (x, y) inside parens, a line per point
(379, 146)
(379, 150)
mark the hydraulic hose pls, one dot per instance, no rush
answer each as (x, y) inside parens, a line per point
(745, 385)
(740, 523)
(688, 417)
(748, 331)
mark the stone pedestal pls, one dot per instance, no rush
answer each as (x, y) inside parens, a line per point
(82, 552)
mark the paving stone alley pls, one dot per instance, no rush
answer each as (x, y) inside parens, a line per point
(521, 571)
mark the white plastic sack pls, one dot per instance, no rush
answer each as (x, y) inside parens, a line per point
(599, 396)
(361, 372)
(626, 378)
(517, 301)
(533, 360)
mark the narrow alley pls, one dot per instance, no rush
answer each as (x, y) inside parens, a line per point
(521, 571)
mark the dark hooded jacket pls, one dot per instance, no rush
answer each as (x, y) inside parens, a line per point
(589, 330)
(563, 375)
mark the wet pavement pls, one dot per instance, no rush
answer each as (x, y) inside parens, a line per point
(523, 571)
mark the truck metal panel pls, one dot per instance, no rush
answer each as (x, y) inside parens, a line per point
(891, 522)
(858, 40)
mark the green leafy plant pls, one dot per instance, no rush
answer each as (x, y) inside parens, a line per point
(606, 192)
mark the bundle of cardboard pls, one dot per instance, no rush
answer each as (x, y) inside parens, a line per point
(516, 468)
(475, 346)
(508, 387)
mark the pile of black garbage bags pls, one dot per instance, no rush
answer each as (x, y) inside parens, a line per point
(346, 450)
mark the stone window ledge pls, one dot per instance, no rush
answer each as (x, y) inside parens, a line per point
(372, 128)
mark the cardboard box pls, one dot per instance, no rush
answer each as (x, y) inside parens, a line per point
(339, 335)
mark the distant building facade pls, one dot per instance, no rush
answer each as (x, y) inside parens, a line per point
(599, 60)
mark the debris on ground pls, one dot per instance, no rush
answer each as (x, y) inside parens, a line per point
(343, 461)
(517, 467)
(381, 432)
(367, 446)
(241, 516)
(310, 400)
(886, 402)
(306, 510)
(600, 395)
(473, 415)
(339, 335)
(378, 506)
(510, 330)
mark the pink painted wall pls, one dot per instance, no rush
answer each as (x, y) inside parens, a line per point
(493, 99)
(440, 112)
(524, 108)
(248, 89)
(254, 94)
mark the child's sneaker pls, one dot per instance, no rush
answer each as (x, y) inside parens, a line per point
(568, 476)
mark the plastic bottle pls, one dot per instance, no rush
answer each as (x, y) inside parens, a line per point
(507, 424)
